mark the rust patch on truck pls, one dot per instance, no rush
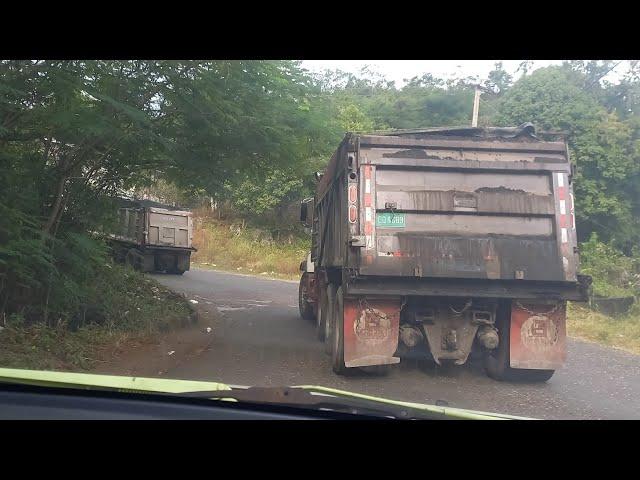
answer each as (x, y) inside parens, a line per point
(538, 335)
(372, 326)
(500, 190)
(410, 153)
(371, 329)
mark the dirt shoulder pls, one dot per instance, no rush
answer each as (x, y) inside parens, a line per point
(153, 357)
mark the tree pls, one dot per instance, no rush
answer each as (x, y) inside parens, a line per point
(602, 146)
(75, 134)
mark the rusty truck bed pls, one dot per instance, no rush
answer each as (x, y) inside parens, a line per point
(451, 212)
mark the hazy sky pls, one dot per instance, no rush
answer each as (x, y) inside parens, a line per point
(399, 70)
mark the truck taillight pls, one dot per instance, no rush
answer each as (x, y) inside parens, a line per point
(353, 198)
(353, 193)
(353, 214)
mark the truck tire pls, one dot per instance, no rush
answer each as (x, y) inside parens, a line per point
(306, 309)
(337, 335)
(133, 259)
(496, 362)
(329, 317)
(322, 307)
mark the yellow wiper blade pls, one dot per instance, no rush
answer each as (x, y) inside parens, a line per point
(460, 413)
(108, 382)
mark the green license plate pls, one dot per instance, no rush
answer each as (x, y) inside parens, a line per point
(390, 220)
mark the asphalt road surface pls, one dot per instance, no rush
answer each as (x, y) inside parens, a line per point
(259, 339)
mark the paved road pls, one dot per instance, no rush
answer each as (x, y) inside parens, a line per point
(261, 340)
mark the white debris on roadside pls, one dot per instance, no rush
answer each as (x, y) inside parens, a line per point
(172, 352)
(208, 329)
(224, 308)
(195, 302)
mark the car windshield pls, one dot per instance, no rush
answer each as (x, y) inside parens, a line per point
(444, 233)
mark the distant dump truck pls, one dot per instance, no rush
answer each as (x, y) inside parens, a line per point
(153, 237)
(441, 241)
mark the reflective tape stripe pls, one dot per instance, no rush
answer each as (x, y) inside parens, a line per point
(562, 193)
(563, 207)
(565, 237)
(573, 213)
(560, 177)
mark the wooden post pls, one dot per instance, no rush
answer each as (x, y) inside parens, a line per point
(476, 105)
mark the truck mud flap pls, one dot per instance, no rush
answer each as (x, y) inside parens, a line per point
(538, 335)
(371, 328)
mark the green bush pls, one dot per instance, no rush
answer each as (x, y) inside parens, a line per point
(614, 274)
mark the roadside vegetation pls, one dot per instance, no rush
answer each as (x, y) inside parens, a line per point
(230, 245)
(124, 308)
(621, 331)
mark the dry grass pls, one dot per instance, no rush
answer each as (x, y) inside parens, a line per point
(620, 332)
(226, 246)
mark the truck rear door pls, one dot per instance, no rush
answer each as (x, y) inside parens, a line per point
(466, 208)
(169, 228)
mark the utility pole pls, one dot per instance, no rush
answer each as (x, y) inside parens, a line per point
(476, 106)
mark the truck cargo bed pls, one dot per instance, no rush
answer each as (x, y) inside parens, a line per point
(468, 204)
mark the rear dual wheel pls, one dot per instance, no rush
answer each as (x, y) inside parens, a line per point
(337, 334)
(334, 343)
(306, 309)
(497, 363)
(325, 314)
(134, 259)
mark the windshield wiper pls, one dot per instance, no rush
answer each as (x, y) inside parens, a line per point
(298, 397)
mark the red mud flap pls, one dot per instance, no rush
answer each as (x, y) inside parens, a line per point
(371, 329)
(538, 337)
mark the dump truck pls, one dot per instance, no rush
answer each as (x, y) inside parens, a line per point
(153, 237)
(442, 242)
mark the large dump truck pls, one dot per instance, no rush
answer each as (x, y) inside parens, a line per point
(153, 237)
(444, 241)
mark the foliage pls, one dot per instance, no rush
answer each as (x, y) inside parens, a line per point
(76, 134)
(614, 274)
(226, 245)
(266, 193)
(621, 332)
(126, 306)
(603, 146)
